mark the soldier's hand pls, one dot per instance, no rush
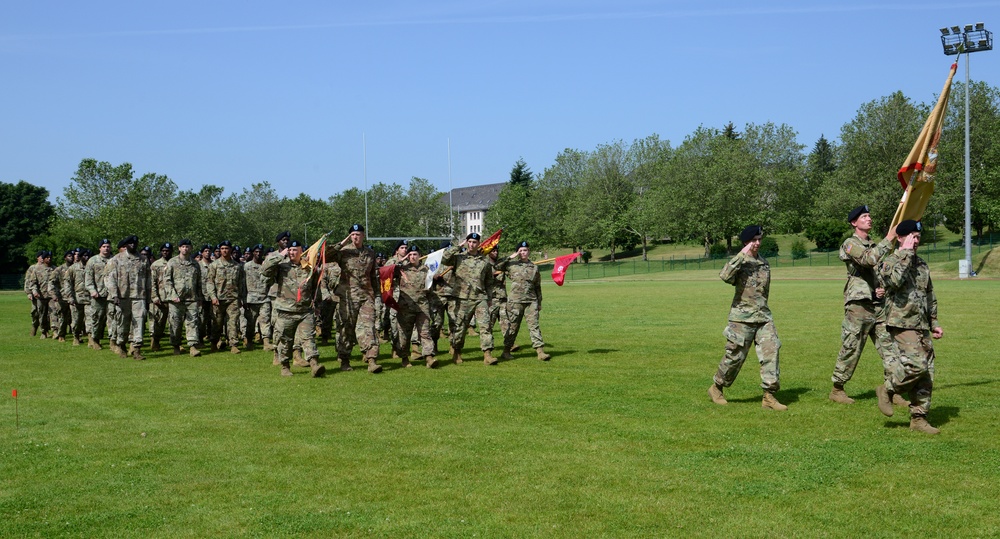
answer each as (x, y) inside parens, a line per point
(746, 248)
(891, 236)
(907, 242)
(176, 300)
(283, 252)
(937, 332)
(93, 294)
(879, 292)
(215, 302)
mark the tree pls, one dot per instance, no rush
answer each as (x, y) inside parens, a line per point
(598, 213)
(820, 165)
(521, 174)
(510, 212)
(776, 157)
(646, 160)
(554, 196)
(25, 213)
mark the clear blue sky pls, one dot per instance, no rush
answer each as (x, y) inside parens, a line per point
(236, 92)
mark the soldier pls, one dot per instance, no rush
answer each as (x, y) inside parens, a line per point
(183, 295)
(59, 312)
(159, 312)
(750, 322)
(281, 240)
(97, 309)
(524, 300)
(440, 296)
(128, 288)
(227, 288)
(293, 306)
(863, 303)
(75, 292)
(207, 318)
(358, 282)
(473, 284)
(414, 308)
(330, 301)
(499, 299)
(34, 287)
(390, 320)
(258, 308)
(912, 320)
(114, 309)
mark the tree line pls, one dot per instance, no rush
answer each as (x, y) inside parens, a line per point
(617, 196)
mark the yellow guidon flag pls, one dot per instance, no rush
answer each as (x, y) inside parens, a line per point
(315, 253)
(917, 173)
(491, 242)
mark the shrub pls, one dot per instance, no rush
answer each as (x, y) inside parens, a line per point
(799, 249)
(768, 247)
(718, 250)
(826, 233)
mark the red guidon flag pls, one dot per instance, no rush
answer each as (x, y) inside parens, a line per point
(490, 243)
(917, 173)
(385, 284)
(559, 267)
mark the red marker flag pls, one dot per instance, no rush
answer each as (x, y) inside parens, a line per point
(559, 267)
(491, 242)
(13, 393)
(385, 284)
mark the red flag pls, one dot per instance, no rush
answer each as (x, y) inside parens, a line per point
(559, 267)
(490, 243)
(13, 393)
(385, 282)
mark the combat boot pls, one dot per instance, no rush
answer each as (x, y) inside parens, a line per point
(285, 371)
(715, 392)
(155, 347)
(345, 365)
(771, 403)
(415, 350)
(884, 400)
(920, 424)
(839, 395)
(898, 400)
(431, 362)
(136, 354)
(395, 354)
(277, 360)
(506, 353)
(267, 344)
(542, 355)
(249, 345)
(177, 350)
(235, 349)
(373, 367)
(406, 362)
(194, 352)
(34, 331)
(97, 345)
(60, 339)
(456, 357)
(488, 358)
(515, 348)
(317, 369)
(76, 341)
(472, 331)
(120, 348)
(297, 359)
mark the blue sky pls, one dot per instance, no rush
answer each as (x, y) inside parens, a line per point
(236, 92)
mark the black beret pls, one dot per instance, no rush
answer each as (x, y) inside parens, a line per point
(87, 252)
(168, 246)
(104, 241)
(355, 228)
(69, 253)
(123, 243)
(522, 244)
(205, 246)
(908, 227)
(379, 255)
(184, 241)
(473, 236)
(401, 243)
(413, 248)
(445, 244)
(294, 243)
(270, 249)
(132, 239)
(750, 232)
(258, 247)
(40, 254)
(146, 249)
(857, 212)
(48, 254)
(225, 243)
(285, 234)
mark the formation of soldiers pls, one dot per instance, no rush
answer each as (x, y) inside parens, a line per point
(888, 298)
(226, 297)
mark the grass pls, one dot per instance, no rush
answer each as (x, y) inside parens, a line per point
(614, 437)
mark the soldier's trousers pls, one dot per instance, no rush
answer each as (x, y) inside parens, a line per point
(437, 315)
(913, 373)
(207, 325)
(290, 328)
(408, 320)
(325, 322)
(97, 315)
(360, 326)
(860, 324)
(78, 321)
(227, 315)
(133, 312)
(498, 313)
(514, 313)
(185, 314)
(40, 314)
(739, 337)
(58, 322)
(460, 316)
(114, 323)
(158, 315)
(258, 319)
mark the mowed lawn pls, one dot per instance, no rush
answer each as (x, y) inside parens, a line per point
(615, 437)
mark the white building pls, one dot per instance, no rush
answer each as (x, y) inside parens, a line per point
(472, 203)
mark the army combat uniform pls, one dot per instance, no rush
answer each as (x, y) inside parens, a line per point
(183, 295)
(128, 288)
(227, 285)
(293, 311)
(159, 312)
(472, 286)
(258, 308)
(75, 290)
(414, 312)
(34, 280)
(358, 282)
(524, 302)
(97, 310)
(59, 314)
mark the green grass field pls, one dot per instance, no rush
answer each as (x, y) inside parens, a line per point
(615, 437)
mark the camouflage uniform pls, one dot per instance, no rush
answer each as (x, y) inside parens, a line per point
(258, 308)
(414, 310)
(911, 316)
(75, 289)
(128, 288)
(293, 307)
(440, 296)
(864, 315)
(227, 285)
(498, 301)
(472, 287)
(328, 301)
(97, 310)
(183, 295)
(34, 287)
(750, 322)
(114, 309)
(358, 282)
(159, 312)
(59, 314)
(524, 300)
(208, 329)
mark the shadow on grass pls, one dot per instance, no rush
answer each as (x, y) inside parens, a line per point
(603, 350)
(979, 383)
(785, 396)
(937, 417)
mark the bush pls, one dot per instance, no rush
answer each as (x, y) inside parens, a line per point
(718, 250)
(768, 247)
(799, 249)
(828, 234)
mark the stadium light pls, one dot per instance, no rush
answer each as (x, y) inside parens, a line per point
(975, 39)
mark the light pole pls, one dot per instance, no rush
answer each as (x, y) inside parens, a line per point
(958, 40)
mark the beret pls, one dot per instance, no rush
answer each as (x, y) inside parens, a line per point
(473, 236)
(225, 243)
(857, 212)
(184, 241)
(750, 232)
(294, 243)
(167, 245)
(285, 234)
(413, 248)
(908, 226)
(522, 244)
(104, 241)
(355, 228)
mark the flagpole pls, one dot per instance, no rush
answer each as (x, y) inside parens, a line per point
(451, 203)
(364, 151)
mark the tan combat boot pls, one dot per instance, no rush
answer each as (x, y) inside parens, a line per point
(136, 354)
(267, 344)
(542, 355)
(177, 350)
(297, 359)
(898, 400)
(395, 354)
(431, 362)
(90, 343)
(920, 424)
(61, 339)
(506, 353)
(515, 348)
(345, 364)
(415, 350)
(771, 403)
(839, 395)
(194, 351)
(155, 347)
(122, 353)
(317, 369)
(373, 367)
(884, 400)
(456, 356)
(234, 349)
(34, 331)
(488, 358)
(406, 362)
(715, 392)
(277, 360)
(285, 370)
